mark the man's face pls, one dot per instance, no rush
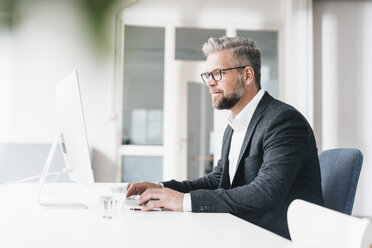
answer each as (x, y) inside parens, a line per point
(229, 90)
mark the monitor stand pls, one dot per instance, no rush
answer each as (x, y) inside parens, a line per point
(59, 140)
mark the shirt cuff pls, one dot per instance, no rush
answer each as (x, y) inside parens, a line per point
(187, 203)
(162, 184)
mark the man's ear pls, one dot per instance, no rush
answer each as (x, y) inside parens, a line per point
(248, 75)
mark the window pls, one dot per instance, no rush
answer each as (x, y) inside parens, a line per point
(267, 41)
(189, 42)
(143, 94)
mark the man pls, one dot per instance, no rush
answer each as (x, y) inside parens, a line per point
(269, 155)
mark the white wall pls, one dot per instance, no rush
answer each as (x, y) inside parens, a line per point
(343, 57)
(49, 41)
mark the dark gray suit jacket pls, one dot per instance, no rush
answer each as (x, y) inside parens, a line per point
(278, 163)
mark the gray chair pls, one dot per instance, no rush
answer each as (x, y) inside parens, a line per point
(22, 160)
(340, 169)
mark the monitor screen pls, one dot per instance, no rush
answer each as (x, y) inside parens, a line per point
(71, 122)
(72, 138)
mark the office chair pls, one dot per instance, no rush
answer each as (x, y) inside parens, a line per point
(22, 160)
(340, 169)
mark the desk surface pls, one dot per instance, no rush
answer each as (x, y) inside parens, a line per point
(24, 224)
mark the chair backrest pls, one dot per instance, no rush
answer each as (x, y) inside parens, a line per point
(22, 160)
(340, 169)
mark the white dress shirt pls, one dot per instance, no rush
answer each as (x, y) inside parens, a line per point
(240, 125)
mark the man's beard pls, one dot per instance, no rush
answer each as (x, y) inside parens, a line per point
(227, 102)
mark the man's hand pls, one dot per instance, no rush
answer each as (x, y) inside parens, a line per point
(166, 198)
(139, 188)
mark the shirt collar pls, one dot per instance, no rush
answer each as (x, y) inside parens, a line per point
(241, 121)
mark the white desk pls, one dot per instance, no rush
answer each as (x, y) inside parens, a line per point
(24, 224)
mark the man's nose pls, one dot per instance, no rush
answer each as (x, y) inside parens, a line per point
(211, 82)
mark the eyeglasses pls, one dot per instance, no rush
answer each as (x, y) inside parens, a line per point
(217, 74)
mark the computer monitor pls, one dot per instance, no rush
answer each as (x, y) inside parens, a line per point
(72, 139)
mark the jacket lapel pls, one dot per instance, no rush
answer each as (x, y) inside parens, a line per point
(257, 115)
(225, 180)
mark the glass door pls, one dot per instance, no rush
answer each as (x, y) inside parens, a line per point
(143, 98)
(195, 103)
(199, 130)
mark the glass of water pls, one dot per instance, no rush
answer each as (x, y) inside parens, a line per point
(111, 206)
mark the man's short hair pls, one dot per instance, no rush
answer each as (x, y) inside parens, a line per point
(242, 49)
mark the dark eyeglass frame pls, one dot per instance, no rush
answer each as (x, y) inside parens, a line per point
(210, 74)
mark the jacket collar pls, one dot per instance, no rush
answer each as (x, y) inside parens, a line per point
(257, 115)
(225, 180)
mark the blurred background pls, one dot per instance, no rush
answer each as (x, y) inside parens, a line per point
(148, 115)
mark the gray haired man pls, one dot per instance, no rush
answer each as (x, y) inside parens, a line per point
(269, 155)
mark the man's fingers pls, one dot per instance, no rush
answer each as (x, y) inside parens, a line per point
(150, 194)
(152, 205)
(165, 197)
(135, 189)
(141, 187)
(145, 198)
(131, 190)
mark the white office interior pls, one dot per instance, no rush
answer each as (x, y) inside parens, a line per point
(316, 57)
